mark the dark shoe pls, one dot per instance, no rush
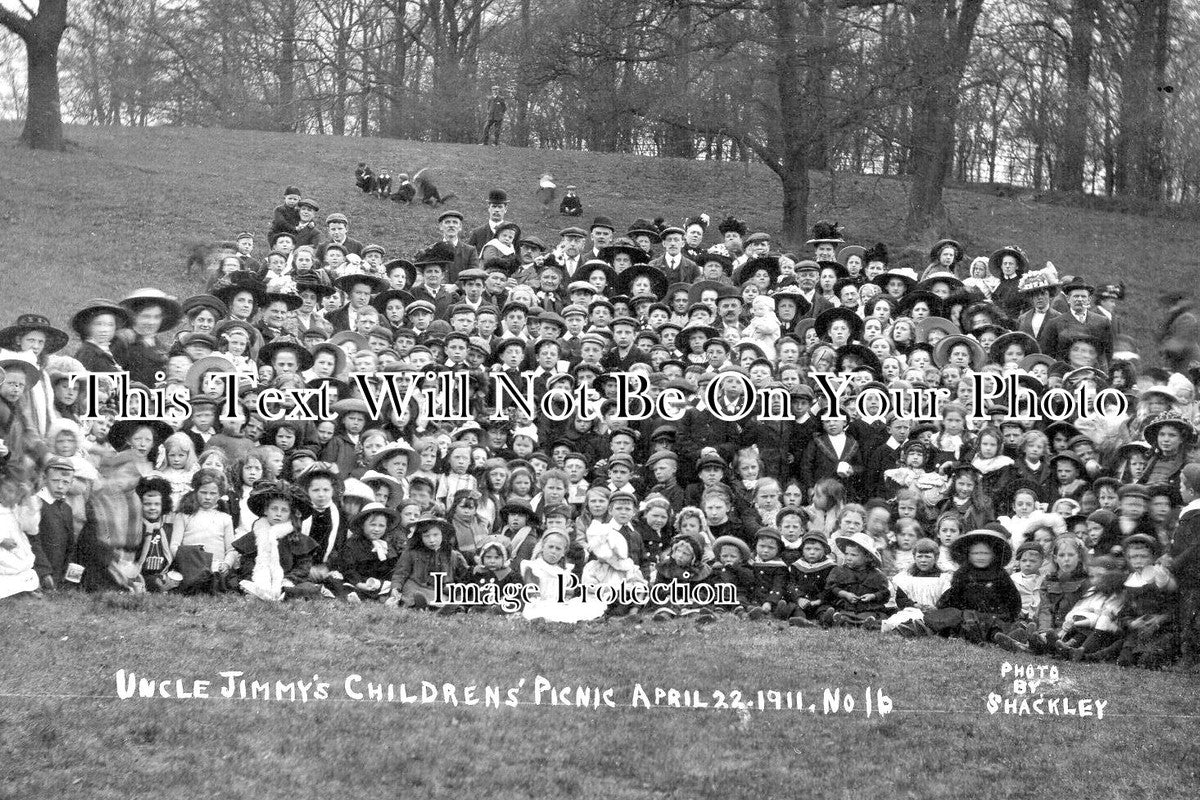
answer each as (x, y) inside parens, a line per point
(872, 624)
(840, 620)
(801, 621)
(419, 602)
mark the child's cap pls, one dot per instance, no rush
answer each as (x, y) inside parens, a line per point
(562, 511)
(926, 546)
(816, 536)
(620, 459)
(732, 541)
(1029, 547)
(769, 533)
(622, 494)
(1144, 540)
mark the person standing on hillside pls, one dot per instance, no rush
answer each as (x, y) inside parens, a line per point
(496, 109)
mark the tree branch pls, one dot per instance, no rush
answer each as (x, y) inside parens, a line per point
(16, 24)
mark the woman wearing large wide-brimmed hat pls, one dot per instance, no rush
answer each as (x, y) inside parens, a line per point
(919, 305)
(141, 436)
(97, 323)
(839, 326)
(959, 351)
(202, 313)
(641, 279)
(33, 335)
(1011, 348)
(242, 294)
(152, 312)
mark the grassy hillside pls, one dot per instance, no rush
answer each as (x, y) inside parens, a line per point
(117, 212)
(64, 731)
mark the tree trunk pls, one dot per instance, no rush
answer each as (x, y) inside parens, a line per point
(42, 34)
(792, 166)
(521, 127)
(1072, 149)
(941, 41)
(285, 68)
(679, 141)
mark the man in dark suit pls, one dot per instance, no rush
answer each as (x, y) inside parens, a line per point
(569, 254)
(602, 235)
(338, 227)
(677, 267)
(497, 207)
(432, 289)
(807, 273)
(1079, 321)
(465, 255)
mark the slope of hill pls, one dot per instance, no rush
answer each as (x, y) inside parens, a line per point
(119, 210)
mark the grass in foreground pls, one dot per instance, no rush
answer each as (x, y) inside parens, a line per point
(116, 212)
(939, 741)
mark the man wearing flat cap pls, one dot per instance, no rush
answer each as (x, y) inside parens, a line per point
(673, 263)
(466, 256)
(569, 254)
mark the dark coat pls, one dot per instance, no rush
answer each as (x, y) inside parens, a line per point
(96, 360)
(820, 461)
(740, 577)
(809, 579)
(1060, 328)
(700, 428)
(877, 461)
(356, 560)
(1185, 551)
(986, 591)
(770, 581)
(1025, 324)
(864, 580)
(687, 272)
(418, 563)
(1059, 596)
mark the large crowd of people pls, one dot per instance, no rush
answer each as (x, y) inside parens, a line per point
(1078, 538)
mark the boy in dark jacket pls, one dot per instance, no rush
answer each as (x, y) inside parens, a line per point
(856, 593)
(732, 554)
(770, 577)
(809, 577)
(982, 600)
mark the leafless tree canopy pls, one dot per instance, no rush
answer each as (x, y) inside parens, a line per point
(1069, 95)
